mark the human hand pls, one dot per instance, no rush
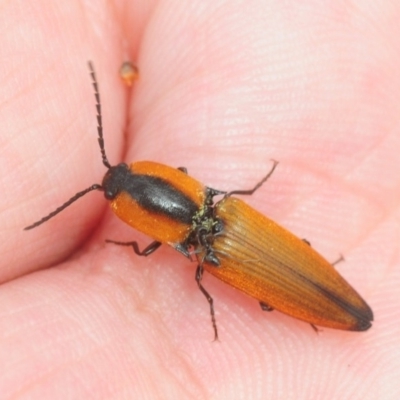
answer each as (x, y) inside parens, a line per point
(223, 88)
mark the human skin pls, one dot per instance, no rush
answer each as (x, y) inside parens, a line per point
(224, 88)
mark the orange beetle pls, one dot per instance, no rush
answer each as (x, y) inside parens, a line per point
(231, 240)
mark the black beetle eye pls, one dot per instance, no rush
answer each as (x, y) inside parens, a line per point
(109, 194)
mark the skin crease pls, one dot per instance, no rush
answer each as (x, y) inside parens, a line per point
(224, 87)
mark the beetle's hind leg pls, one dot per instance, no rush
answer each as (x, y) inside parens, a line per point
(199, 276)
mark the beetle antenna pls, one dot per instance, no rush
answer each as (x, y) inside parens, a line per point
(103, 156)
(100, 138)
(65, 205)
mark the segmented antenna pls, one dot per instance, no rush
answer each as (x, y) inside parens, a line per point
(99, 119)
(65, 205)
(103, 156)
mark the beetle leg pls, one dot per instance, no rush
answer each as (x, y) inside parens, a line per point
(265, 307)
(151, 248)
(183, 249)
(259, 184)
(316, 330)
(340, 259)
(211, 258)
(183, 169)
(199, 276)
